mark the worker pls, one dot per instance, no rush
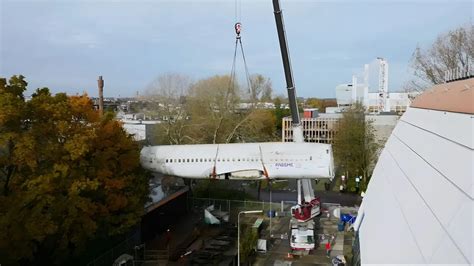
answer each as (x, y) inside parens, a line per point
(328, 248)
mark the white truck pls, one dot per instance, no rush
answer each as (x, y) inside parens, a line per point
(302, 238)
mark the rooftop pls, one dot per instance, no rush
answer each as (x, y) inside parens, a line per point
(457, 97)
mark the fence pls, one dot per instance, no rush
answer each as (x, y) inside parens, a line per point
(126, 246)
(234, 206)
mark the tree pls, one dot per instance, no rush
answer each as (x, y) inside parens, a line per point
(260, 126)
(451, 50)
(212, 104)
(261, 88)
(355, 147)
(280, 112)
(170, 91)
(67, 175)
(248, 242)
(208, 111)
(321, 104)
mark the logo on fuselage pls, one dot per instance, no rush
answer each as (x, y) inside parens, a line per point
(284, 165)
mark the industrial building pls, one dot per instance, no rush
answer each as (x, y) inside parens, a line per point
(376, 99)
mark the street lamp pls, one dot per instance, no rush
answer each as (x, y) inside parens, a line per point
(238, 231)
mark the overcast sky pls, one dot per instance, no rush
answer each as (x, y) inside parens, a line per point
(65, 45)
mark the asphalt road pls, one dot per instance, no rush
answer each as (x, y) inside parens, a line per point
(326, 196)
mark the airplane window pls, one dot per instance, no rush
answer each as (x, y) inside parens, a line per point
(218, 159)
(233, 159)
(310, 158)
(192, 160)
(166, 160)
(187, 160)
(238, 159)
(179, 160)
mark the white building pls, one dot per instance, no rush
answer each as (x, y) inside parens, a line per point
(375, 97)
(140, 129)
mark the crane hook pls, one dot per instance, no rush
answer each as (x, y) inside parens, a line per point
(237, 28)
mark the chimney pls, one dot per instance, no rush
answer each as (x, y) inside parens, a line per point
(100, 84)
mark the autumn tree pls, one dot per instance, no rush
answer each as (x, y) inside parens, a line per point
(212, 103)
(355, 147)
(321, 104)
(451, 50)
(209, 111)
(67, 175)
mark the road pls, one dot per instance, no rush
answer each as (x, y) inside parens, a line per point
(344, 199)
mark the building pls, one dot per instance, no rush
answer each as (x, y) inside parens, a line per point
(141, 130)
(418, 208)
(323, 127)
(320, 129)
(375, 97)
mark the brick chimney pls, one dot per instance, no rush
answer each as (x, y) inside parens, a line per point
(100, 83)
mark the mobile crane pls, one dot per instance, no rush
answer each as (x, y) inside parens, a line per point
(308, 206)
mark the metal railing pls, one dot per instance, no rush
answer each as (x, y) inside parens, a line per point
(234, 206)
(127, 246)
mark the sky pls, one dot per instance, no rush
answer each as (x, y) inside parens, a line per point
(65, 45)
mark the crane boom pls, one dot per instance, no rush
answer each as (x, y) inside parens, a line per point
(308, 206)
(290, 86)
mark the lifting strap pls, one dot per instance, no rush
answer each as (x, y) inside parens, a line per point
(238, 41)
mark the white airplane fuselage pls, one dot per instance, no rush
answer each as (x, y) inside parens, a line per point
(244, 161)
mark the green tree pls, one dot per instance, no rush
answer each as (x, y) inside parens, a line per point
(248, 242)
(67, 175)
(355, 147)
(280, 112)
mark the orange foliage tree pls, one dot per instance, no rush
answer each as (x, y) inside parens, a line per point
(67, 175)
